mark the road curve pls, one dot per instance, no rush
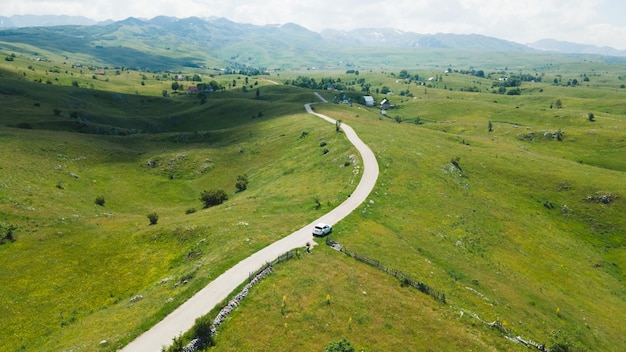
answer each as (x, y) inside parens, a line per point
(183, 318)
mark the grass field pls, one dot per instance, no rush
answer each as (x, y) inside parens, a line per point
(516, 232)
(76, 265)
(517, 236)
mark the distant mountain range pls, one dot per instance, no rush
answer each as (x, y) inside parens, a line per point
(19, 21)
(574, 48)
(365, 36)
(162, 43)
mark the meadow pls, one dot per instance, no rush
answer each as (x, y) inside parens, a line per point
(477, 198)
(515, 233)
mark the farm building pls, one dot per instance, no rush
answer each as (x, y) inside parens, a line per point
(369, 100)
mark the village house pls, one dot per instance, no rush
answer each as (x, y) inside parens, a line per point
(369, 100)
(385, 104)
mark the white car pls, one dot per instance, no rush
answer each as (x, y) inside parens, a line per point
(322, 229)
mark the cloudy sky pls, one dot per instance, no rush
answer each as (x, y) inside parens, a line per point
(599, 22)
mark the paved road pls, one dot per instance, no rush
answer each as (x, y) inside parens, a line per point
(183, 318)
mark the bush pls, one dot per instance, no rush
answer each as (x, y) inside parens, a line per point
(340, 346)
(8, 233)
(24, 125)
(213, 197)
(154, 218)
(100, 200)
(242, 183)
(323, 144)
(591, 117)
(190, 211)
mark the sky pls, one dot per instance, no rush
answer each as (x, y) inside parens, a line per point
(597, 22)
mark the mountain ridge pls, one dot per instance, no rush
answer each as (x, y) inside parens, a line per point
(561, 46)
(165, 43)
(387, 37)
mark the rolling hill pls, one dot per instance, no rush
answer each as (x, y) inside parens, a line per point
(501, 186)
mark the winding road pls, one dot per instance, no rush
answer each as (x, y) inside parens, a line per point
(183, 318)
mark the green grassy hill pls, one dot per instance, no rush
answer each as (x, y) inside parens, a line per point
(516, 234)
(524, 229)
(75, 265)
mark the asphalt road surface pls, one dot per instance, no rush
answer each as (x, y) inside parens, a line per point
(183, 318)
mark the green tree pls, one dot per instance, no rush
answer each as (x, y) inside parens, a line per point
(258, 93)
(175, 86)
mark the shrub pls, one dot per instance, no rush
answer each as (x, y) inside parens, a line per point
(8, 233)
(325, 151)
(591, 117)
(242, 183)
(213, 197)
(340, 346)
(190, 211)
(100, 200)
(153, 217)
(57, 112)
(323, 144)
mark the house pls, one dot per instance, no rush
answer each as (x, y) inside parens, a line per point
(192, 89)
(100, 72)
(385, 104)
(369, 100)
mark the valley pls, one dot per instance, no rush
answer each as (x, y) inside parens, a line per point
(501, 186)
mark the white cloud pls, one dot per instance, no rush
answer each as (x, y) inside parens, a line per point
(598, 22)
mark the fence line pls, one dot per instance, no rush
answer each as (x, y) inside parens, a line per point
(405, 280)
(199, 342)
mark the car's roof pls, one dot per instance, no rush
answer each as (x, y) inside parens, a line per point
(321, 224)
